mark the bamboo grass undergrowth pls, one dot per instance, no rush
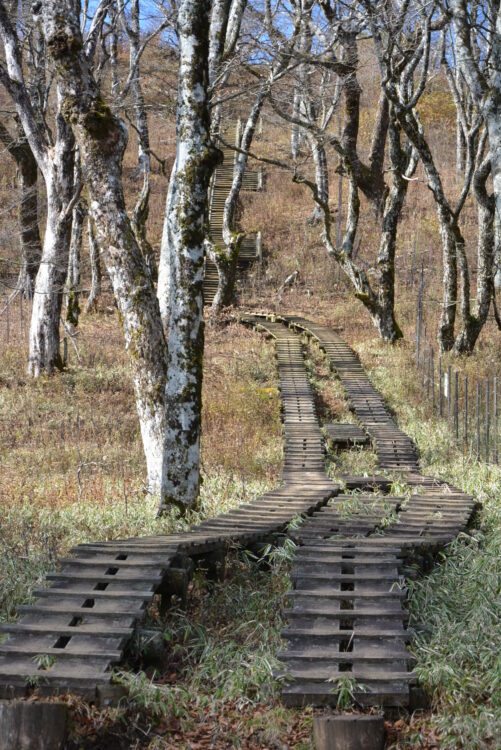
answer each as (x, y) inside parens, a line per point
(456, 608)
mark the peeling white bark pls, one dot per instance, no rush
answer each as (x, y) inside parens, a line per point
(101, 138)
(44, 354)
(196, 158)
(95, 268)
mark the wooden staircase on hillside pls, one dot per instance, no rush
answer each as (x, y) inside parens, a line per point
(221, 183)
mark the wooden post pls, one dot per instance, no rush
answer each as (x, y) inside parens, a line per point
(478, 421)
(487, 419)
(495, 420)
(440, 388)
(419, 318)
(466, 411)
(456, 404)
(348, 732)
(413, 261)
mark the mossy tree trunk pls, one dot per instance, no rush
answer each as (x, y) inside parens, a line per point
(44, 352)
(73, 275)
(472, 323)
(196, 158)
(29, 234)
(378, 298)
(101, 138)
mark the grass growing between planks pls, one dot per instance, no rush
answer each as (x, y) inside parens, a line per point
(212, 687)
(456, 609)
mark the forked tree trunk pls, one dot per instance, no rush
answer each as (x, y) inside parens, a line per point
(196, 158)
(44, 354)
(101, 138)
(403, 166)
(472, 324)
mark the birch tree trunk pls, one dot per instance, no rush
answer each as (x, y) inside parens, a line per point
(403, 166)
(44, 340)
(196, 158)
(484, 84)
(95, 268)
(101, 138)
(226, 258)
(321, 173)
(142, 207)
(166, 253)
(73, 275)
(472, 323)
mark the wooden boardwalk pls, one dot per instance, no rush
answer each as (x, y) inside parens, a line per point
(346, 617)
(78, 626)
(222, 180)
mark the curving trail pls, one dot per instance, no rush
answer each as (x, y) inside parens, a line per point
(346, 619)
(81, 623)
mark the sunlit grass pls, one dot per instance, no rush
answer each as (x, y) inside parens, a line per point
(456, 609)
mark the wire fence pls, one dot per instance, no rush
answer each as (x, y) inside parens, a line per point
(15, 316)
(470, 407)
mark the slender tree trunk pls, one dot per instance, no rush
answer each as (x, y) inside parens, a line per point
(73, 275)
(497, 251)
(95, 268)
(196, 158)
(31, 244)
(295, 128)
(101, 138)
(166, 258)
(226, 258)
(142, 207)
(27, 170)
(472, 324)
(460, 147)
(448, 225)
(321, 173)
(403, 166)
(44, 354)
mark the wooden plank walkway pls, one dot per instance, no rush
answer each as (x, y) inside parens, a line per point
(222, 180)
(345, 435)
(347, 619)
(77, 627)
